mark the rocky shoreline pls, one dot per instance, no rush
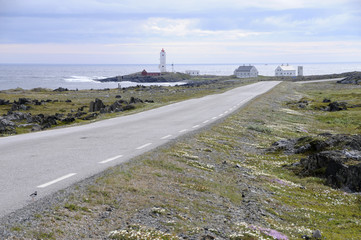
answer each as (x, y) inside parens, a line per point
(139, 78)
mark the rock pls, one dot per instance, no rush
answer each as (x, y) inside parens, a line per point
(135, 100)
(90, 116)
(23, 101)
(352, 78)
(337, 106)
(68, 120)
(149, 101)
(207, 237)
(35, 128)
(6, 126)
(118, 96)
(326, 100)
(128, 107)
(4, 102)
(317, 234)
(340, 168)
(68, 101)
(96, 106)
(60, 89)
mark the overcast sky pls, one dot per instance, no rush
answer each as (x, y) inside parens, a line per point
(191, 31)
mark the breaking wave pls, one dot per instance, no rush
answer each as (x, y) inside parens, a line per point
(82, 79)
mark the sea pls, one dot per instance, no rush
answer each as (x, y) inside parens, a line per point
(83, 76)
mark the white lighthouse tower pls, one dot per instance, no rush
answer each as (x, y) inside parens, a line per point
(162, 65)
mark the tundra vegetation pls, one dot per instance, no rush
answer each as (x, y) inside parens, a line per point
(221, 182)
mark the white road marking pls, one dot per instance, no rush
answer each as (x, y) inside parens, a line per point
(220, 115)
(195, 126)
(111, 159)
(56, 180)
(143, 146)
(214, 117)
(225, 112)
(165, 137)
(206, 121)
(183, 130)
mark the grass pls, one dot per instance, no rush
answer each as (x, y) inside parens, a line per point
(222, 182)
(58, 102)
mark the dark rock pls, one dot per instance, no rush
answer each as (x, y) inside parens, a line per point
(128, 107)
(336, 106)
(96, 106)
(207, 237)
(6, 126)
(60, 89)
(4, 102)
(79, 114)
(68, 100)
(68, 120)
(135, 100)
(149, 101)
(351, 78)
(326, 100)
(90, 116)
(342, 169)
(118, 96)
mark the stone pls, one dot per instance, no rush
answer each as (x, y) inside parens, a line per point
(96, 105)
(35, 128)
(326, 100)
(135, 100)
(118, 96)
(337, 106)
(4, 102)
(317, 234)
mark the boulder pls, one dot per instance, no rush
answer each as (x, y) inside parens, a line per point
(135, 100)
(96, 105)
(337, 106)
(4, 102)
(90, 116)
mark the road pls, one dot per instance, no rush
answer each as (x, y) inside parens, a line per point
(52, 160)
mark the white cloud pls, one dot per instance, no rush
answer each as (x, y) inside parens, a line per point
(189, 28)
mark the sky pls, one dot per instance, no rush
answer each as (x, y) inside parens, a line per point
(190, 31)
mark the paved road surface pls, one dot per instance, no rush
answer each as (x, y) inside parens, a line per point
(52, 160)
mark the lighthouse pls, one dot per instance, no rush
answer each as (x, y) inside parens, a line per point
(162, 64)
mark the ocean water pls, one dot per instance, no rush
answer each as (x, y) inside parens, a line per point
(29, 76)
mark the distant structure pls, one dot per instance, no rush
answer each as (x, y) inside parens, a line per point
(300, 71)
(162, 64)
(192, 72)
(145, 73)
(285, 70)
(246, 71)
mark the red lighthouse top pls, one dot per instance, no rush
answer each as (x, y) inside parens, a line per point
(163, 50)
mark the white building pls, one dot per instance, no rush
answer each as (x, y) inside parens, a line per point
(246, 71)
(162, 64)
(300, 70)
(285, 70)
(192, 72)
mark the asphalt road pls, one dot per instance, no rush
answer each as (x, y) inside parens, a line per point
(52, 160)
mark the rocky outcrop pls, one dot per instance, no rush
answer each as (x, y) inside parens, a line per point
(138, 77)
(334, 157)
(351, 78)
